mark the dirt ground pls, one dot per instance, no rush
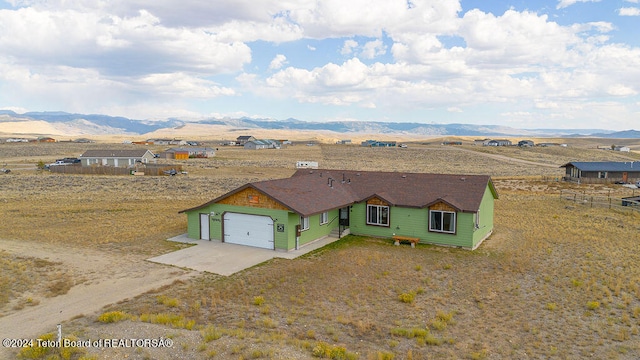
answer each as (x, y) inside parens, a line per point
(99, 279)
(303, 310)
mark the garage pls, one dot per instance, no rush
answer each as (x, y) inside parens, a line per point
(250, 230)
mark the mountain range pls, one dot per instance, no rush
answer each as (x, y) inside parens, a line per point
(96, 124)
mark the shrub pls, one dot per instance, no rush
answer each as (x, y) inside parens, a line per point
(176, 321)
(258, 300)
(167, 301)
(211, 333)
(593, 305)
(114, 316)
(328, 351)
(410, 333)
(407, 297)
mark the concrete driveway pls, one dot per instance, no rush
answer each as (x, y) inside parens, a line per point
(226, 259)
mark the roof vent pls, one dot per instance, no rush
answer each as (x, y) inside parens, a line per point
(357, 174)
(404, 176)
(463, 179)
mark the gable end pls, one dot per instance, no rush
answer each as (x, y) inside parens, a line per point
(251, 197)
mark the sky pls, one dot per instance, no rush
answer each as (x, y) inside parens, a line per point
(568, 64)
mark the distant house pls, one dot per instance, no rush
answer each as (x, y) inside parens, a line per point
(45, 139)
(526, 143)
(376, 143)
(452, 143)
(306, 165)
(501, 142)
(187, 153)
(344, 142)
(481, 142)
(261, 144)
(166, 142)
(241, 140)
(621, 148)
(602, 171)
(117, 158)
(17, 140)
(547, 144)
(285, 214)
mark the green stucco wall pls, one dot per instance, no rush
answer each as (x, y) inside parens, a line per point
(415, 223)
(403, 221)
(315, 229)
(285, 240)
(485, 227)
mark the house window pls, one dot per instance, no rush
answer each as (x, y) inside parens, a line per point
(442, 221)
(324, 218)
(304, 223)
(602, 174)
(377, 215)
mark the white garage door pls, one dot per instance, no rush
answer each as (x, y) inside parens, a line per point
(251, 230)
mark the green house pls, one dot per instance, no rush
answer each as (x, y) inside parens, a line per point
(285, 214)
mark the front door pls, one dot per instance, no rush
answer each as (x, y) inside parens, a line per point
(625, 176)
(204, 227)
(344, 216)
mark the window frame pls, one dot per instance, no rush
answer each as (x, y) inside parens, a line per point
(454, 221)
(379, 215)
(304, 220)
(324, 218)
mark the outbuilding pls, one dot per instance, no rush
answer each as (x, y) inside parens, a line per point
(602, 171)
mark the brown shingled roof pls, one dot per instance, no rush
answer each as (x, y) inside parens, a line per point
(309, 192)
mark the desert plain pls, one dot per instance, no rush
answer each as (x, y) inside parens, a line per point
(558, 279)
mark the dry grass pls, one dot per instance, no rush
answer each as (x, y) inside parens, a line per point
(494, 301)
(24, 279)
(528, 292)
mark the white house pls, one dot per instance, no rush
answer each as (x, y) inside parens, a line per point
(621, 148)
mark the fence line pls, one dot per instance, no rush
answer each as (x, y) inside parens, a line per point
(148, 169)
(600, 201)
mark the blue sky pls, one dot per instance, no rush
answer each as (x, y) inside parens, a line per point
(525, 64)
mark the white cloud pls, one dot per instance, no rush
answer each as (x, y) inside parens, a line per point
(373, 49)
(629, 11)
(113, 45)
(348, 47)
(566, 3)
(278, 62)
(88, 54)
(454, 109)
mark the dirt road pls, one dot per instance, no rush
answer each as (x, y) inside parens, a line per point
(103, 278)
